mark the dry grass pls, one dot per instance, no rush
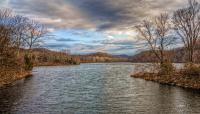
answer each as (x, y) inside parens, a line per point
(177, 79)
(9, 75)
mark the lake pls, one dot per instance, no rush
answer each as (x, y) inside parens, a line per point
(96, 88)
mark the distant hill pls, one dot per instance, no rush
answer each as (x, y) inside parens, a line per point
(100, 57)
(177, 55)
(42, 56)
(46, 57)
(100, 54)
(123, 56)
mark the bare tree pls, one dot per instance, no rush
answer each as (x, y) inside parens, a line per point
(187, 25)
(4, 43)
(19, 25)
(15, 32)
(155, 35)
(35, 32)
(5, 28)
(4, 14)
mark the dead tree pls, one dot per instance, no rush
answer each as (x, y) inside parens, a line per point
(19, 31)
(187, 26)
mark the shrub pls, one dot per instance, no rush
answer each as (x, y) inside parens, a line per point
(146, 68)
(191, 69)
(28, 63)
(166, 68)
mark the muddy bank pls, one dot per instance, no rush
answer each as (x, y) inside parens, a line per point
(176, 79)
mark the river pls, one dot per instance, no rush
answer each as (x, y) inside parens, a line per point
(97, 88)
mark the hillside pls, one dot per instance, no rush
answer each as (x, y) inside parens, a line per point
(100, 57)
(177, 55)
(45, 57)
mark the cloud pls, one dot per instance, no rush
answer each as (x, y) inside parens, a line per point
(55, 13)
(93, 14)
(120, 14)
(65, 40)
(3, 3)
(56, 45)
(120, 42)
(109, 22)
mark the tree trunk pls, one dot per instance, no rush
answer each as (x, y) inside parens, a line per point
(190, 55)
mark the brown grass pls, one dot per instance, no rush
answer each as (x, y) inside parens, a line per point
(8, 76)
(177, 79)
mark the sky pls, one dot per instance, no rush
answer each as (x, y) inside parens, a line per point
(89, 26)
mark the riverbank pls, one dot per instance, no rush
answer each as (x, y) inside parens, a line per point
(177, 79)
(9, 76)
(54, 64)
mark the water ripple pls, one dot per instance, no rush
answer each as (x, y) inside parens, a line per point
(95, 89)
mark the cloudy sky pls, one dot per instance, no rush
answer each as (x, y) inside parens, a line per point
(87, 26)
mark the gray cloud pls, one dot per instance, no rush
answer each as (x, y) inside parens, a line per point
(123, 13)
(55, 13)
(99, 14)
(118, 42)
(85, 18)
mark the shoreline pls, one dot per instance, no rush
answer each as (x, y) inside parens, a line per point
(13, 76)
(54, 65)
(9, 76)
(177, 79)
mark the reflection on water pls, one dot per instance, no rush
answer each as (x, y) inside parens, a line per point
(93, 89)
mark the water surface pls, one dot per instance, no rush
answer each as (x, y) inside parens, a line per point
(98, 88)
